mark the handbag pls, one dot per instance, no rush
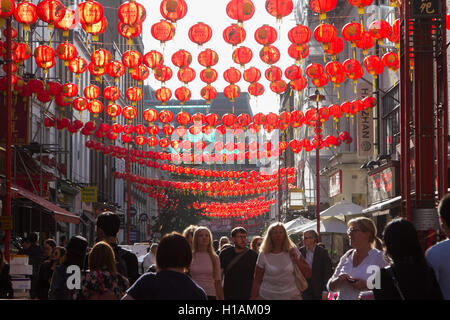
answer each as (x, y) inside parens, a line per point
(300, 279)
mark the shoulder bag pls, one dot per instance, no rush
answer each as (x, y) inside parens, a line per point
(235, 260)
(300, 279)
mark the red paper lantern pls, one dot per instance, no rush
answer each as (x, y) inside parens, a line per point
(165, 116)
(186, 75)
(208, 58)
(353, 69)
(115, 69)
(335, 47)
(70, 90)
(44, 54)
(279, 8)
(234, 34)
(163, 94)
(80, 104)
(66, 52)
(95, 107)
(68, 22)
(140, 140)
(96, 71)
(269, 54)
(111, 93)
(360, 4)
(395, 34)
(293, 72)
(373, 65)
(298, 52)
(183, 94)
(314, 70)
(273, 73)
(232, 75)
(322, 7)
(320, 81)
(380, 30)
(278, 86)
(391, 61)
(163, 73)
(212, 119)
(228, 119)
(96, 28)
(366, 42)
(51, 11)
(101, 57)
(129, 32)
(150, 115)
(181, 58)
(299, 34)
(90, 12)
(173, 10)
(200, 33)
(240, 10)
(325, 33)
(242, 55)
(153, 59)
(113, 110)
(140, 73)
(92, 92)
(266, 35)
(252, 74)
(163, 30)
(352, 32)
(129, 113)
(25, 13)
(134, 94)
(256, 89)
(299, 84)
(183, 118)
(131, 59)
(208, 75)
(132, 13)
(232, 91)
(208, 93)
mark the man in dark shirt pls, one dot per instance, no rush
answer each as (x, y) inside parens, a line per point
(108, 225)
(36, 257)
(238, 266)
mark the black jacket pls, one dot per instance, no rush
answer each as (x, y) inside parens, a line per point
(6, 290)
(321, 272)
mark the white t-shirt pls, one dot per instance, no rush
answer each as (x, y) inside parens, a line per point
(363, 271)
(438, 256)
(278, 282)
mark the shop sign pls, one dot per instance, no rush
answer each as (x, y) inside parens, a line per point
(365, 124)
(382, 185)
(89, 194)
(425, 8)
(335, 184)
(6, 223)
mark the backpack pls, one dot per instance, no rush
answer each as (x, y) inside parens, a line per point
(121, 264)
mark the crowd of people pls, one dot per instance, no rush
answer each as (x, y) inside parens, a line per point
(194, 266)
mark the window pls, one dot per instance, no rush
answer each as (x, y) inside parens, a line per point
(391, 120)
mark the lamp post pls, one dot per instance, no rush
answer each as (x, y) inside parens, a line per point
(317, 130)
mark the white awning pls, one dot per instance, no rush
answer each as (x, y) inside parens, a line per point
(343, 208)
(382, 206)
(329, 225)
(295, 223)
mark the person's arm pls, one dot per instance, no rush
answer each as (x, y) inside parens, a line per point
(338, 278)
(218, 281)
(257, 280)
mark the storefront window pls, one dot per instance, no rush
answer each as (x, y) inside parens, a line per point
(391, 121)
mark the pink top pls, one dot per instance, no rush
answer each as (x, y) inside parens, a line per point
(201, 271)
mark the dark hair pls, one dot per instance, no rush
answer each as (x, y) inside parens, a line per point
(444, 209)
(76, 251)
(51, 243)
(236, 230)
(313, 233)
(109, 222)
(33, 237)
(402, 243)
(173, 252)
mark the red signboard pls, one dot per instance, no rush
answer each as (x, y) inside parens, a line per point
(20, 121)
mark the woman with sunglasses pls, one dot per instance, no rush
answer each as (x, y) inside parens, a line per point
(358, 264)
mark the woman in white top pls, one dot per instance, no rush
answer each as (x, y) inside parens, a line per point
(274, 272)
(360, 264)
(205, 265)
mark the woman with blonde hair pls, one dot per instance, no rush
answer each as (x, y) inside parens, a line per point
(102, 281)
(274, 272)
(357, 264)
(256, 243)
(205, 265)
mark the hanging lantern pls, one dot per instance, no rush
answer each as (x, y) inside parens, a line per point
(298, 52)
(380, 30)
(252, 75)
(173, 10)
(366, 42)
(269, 54)
(299, 84)
(335, 111)
(183, 118)
(163, 31)
(242, 55)
(113, 110)
(153, 59)
(325, 33)
(395, 34)
(208, 93)
(299, 35)
(44, 54)
(134, 94)
(150, 115)
(360, 4)
(132, 13)
(266, 35)
(373, 65)
(115, 69)
(353, 69)
(165, 116)
(69, 90)
(208, 58)
(391, 61)
(101, 57)
(183, 94)
(314, 70)
(333, 69)
(232, 75)
(279, 8)
(131, 59)
(95, 107)
(129, 32)
(208, 75)
(181, 58)
(369, 102)
(335, 47)
(234, 34)
(67, 23)
(163, 94)
(90, 12)
(111, 93)
(200, 33)
(240, 10)
(66, 52)
(96, 71)
(163, 73)
(278, 86)
(96, 28)
(228, 120)
(77, 65)
(50, 11)
(92, 92)
(320, 81)
(293, 72)
(352, 32)
(273, 73)
(168, 130)
(129, 113)
(140, 140)
(322, 7)
(25, 13)
(140, 74)
(231, 92)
